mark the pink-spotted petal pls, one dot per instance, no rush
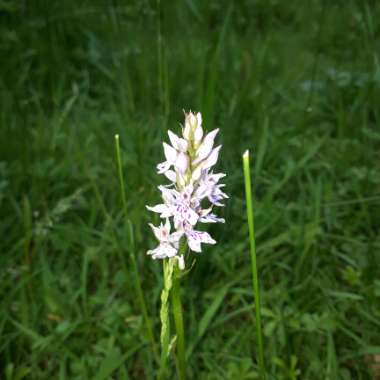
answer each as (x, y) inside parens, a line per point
(195, 238)
(211, 218)
(163, 167)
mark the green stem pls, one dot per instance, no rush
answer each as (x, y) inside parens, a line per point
(255, 278)
(168, 266)
(136, 276)
(178, 320)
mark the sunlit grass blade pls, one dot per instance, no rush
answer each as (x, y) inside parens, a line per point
(255, 278)
(136, 275)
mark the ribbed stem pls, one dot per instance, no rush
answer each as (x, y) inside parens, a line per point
(255, 278)
(168, 266)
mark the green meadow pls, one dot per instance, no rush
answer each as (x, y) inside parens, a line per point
(295, 82)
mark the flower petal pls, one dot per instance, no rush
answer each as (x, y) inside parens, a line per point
(171, 176)
(177, 142)
(184, 213)
(162, 251)
(181, 180)
(168, 195)
(163, 167)
(186, 193)
(194, 245)
(157, 231)
(199, 118)
(196, 174)
(162, 209)
(211, 218)
(216, 177)
(175, 237)
(174, 139)
(195, 238)
(198, 134)
(170, 153)
(167, 228)
(206, 238)
(192, 217)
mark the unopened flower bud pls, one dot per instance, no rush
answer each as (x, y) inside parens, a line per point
(198, 131)
(190, 120)
(181, 262)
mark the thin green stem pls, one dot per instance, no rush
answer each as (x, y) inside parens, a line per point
(121, 176)
(136, 276)
(255, 278)
(178, 320)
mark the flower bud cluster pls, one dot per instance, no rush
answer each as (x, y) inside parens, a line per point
(188, 164)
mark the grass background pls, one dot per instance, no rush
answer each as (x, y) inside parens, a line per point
(297, 82)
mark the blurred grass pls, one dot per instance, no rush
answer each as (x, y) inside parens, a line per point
(297, 83)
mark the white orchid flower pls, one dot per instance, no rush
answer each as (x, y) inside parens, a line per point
(189, 160)
(169, 243)
(177, 205)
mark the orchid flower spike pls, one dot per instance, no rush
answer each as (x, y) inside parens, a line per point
(188, 162)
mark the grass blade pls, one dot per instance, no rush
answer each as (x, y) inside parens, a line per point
(208, 316)
(256, 291)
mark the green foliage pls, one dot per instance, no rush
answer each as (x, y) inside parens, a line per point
(297, 83)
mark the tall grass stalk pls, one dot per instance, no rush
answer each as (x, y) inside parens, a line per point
(159, 55)
(136, 276)
(255, 278)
